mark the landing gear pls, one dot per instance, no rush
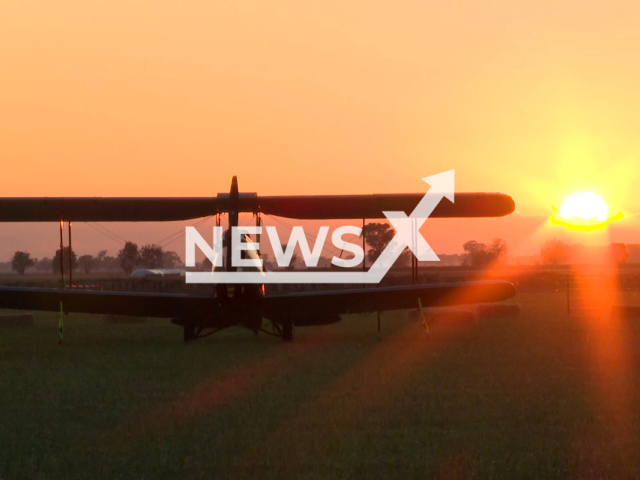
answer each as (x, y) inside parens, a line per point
(194, 330)
(281, 328)
(189, 333)
(287, 331)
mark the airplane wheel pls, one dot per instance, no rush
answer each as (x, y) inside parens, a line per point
(189, 333)
(277, 329)
(287, 331)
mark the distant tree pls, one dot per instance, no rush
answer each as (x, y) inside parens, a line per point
(104, 262)
(479, 255)
(475, 254)
(451, 260)
(267, 262)
(171, 260)
(404, 259)
(325, 261)
(21, 261)
(129, 257)
(107, 263)
(498, 249)
(43, 264)
(555, 252)
(88, 262)
(377, 236)
(151, 256)
(292, 263)
(55, 263)
(205, 265)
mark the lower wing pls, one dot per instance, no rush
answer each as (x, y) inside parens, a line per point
(114, 303)
(314, 308)
(303, 308)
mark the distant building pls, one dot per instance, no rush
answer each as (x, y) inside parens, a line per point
(158, 273)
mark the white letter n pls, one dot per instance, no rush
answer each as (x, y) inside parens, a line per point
(193, 238)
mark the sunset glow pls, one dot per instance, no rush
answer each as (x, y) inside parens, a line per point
(326, 239)
(585, 205)
(584, 211)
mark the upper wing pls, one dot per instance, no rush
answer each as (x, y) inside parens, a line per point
(313, 308)
(138, 209)
(115, 303)
(320, 207)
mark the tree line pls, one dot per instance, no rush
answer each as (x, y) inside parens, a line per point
(377, 236)
(129, 258)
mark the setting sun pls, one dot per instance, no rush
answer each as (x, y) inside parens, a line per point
(584, 205)
(584, 211)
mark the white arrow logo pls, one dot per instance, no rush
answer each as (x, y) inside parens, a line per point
(407, 228)
(407, 235)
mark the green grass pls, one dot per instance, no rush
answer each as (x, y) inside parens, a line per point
(540, 396)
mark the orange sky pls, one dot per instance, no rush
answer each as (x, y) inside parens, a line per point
(534, 99)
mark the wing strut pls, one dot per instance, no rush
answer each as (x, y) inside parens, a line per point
(424, 318)
(70, 259)
(60, 325)
(364, 249)
(414, 259)
(62, 251)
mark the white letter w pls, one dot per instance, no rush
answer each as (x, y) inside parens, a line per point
(283, 257)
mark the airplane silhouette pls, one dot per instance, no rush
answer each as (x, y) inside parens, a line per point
(247, 305)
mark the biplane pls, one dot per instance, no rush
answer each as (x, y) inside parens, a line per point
(248, 305)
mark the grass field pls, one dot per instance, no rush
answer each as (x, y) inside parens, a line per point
(539, 396)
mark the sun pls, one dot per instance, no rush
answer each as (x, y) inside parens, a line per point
(584, 205)
(584, 211)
